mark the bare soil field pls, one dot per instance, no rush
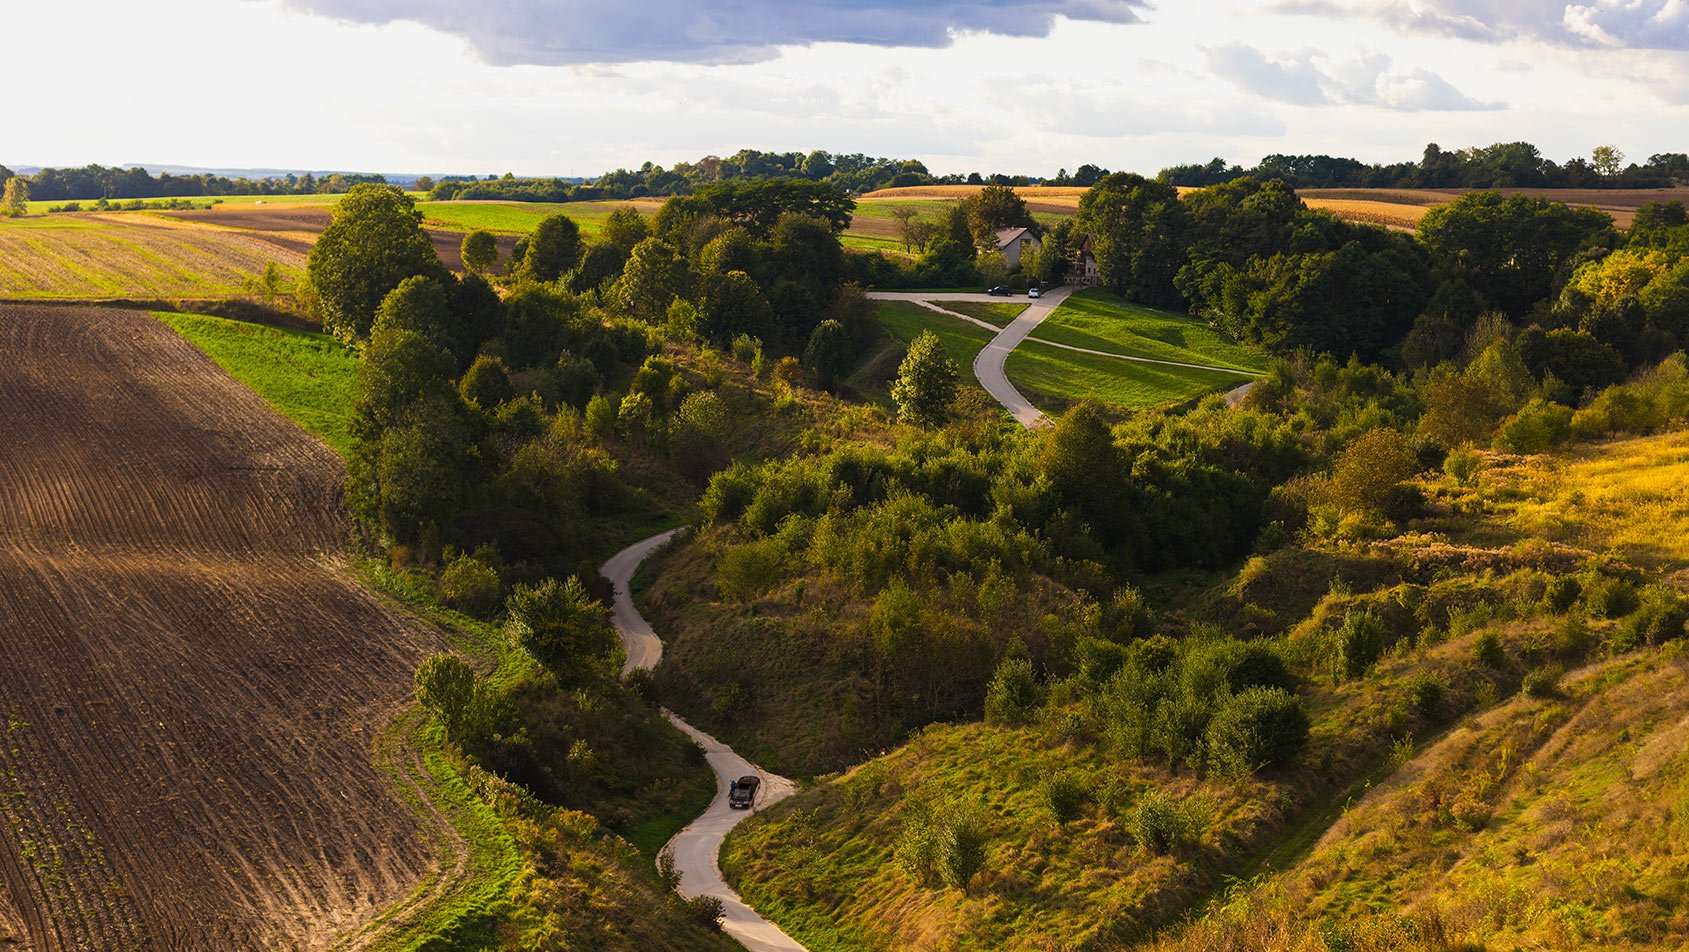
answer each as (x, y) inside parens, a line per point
(193, 684)
(294, 228)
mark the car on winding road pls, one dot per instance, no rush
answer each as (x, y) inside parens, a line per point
(742, 793)
(1001, 290)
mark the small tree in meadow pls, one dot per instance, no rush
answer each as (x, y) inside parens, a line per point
(926, 382)
(15, 200)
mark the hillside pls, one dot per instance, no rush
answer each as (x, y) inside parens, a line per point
(1460, 781)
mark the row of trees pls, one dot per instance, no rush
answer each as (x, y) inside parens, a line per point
(98, 181)
(1501, 165)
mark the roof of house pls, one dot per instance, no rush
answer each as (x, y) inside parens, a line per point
(1008, 236)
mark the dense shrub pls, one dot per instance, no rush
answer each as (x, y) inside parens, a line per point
(1487, 649)
(1359, 645)
(470, 585)
(1066, 794)
(1260, 727)
(1157, 823)
(1013, 694)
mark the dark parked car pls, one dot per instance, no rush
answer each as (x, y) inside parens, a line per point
(1001, 290)
(742, 793)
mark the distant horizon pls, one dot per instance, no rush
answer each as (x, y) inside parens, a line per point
(537, 86)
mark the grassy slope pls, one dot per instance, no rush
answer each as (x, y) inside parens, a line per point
(500, 833)
(1039, 369)
(307, 376)
(905, 320)
(519, 218)
(1558, 821)
(1099, 319)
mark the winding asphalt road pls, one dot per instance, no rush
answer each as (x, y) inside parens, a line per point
(988, 365)
(696, 848)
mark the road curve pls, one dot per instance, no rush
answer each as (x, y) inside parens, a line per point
(988, 365)
(696, 849)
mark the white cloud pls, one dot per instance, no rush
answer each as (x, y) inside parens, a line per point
(1313, 78)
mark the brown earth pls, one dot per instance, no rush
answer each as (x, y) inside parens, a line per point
(192, 683)
(295, 228)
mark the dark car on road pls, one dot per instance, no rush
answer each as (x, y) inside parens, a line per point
(1001, 290)
(742, 793)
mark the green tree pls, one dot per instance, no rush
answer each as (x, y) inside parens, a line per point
(1512, 249)
(697, 441)
(830, 352)
(1083, 464)
(554, 248)
(993, 208)
(400, 368)
(14, 201)
(1607, 160)
(562, 626)
(624, 229)
(926, 382)
(418, 305)
(1137, 229)
(1369, 474)
(733, 305)
(479, 251)
(374, 241)
(446, 687)
(600, 266)
(654, 276)
(486, 383)
(1013, 695)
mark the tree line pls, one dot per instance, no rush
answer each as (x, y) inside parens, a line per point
(1501, 165)
(97, 181)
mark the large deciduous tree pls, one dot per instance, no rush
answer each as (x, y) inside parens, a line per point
(554, 248)
(374, 242)
(1137, 229)
(479, 251)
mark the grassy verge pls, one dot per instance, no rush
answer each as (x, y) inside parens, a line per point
(1099, 319)
(307, 376)
(905, 320)
(1039, 369)
(1000, 315)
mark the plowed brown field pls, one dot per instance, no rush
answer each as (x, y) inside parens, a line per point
(294, 228)
(191, 683)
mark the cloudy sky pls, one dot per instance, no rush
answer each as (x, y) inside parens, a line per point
(575, 87)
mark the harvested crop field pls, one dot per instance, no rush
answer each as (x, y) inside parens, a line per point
(1360, 203)
(193, 684)
(130, 255)
(294, 228)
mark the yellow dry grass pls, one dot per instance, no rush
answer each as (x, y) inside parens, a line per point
(1388, 214)
(1046, 193)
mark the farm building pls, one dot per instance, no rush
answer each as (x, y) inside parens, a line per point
(1013, 241)
(1082, 265)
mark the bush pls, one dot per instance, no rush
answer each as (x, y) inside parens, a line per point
(1610, 598)
(470, 585)
(1013, 693)
(1360, 643)
(1260, 727)
(698, 437)
(1157, 824)
(1538, 427)
(707, 911)
(1488, 650)
(600, 417)
(1562, 593)
(1463, 466)
(745, 572)
(1660, 617)
(941, 844)
(565, 629)
(1066, 793)
(1543, 681)
(1427, 696)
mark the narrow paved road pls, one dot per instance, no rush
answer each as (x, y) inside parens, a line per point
(988, 366)
(696, 848)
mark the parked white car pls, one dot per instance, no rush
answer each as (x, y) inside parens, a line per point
(1033, 293)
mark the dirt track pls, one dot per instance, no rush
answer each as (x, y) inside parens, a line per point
(192, 684)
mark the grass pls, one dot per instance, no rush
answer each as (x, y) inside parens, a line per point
(1000, 315)
(1039, 369)
(905, 320)
(1099, 319)
(307, 376)
(519, 218)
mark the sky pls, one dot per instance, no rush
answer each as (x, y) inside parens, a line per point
(570, 87)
